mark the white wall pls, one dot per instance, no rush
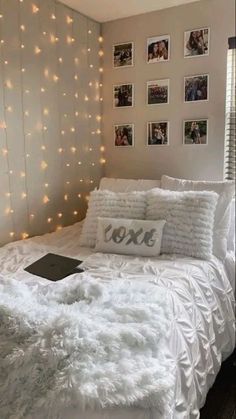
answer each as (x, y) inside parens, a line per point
(196, 162)
(31, 164)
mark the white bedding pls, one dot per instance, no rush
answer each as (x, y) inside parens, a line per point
(200, 298)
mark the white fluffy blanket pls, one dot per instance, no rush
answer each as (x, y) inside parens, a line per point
(83, 341)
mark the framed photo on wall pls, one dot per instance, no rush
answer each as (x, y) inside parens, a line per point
(158, 92)
(123, 55)
(158, 49)
(195, 132)
(124, 135)
(123, 95)
(196, 88)
(196, 42)
(158, 133)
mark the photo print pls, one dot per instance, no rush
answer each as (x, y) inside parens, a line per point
(196, 132)
(123, 95)
(196, 42)
(158, 49)
(158, 92)
(158, 133)
(123, 55)
(124, 135)
(196, 88)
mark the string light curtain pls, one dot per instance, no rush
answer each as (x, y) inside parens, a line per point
(51, 154)
(230, 120)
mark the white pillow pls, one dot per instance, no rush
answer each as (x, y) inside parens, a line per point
(130, 205)
(128, 185)
(189, 220)
(225, 190)
(129, 237)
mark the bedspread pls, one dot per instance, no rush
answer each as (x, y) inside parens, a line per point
(199, 297)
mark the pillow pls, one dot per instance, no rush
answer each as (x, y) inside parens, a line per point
(225, 190)
(129, 237)
(130, 205)
(128, 185)
(189, 220)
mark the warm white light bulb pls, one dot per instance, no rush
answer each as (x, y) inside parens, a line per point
(35, 8)
(45, 199)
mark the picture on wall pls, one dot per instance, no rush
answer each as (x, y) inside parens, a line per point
(196, 42)
(158, 92)
(123, 95)
(195, 131)
(158, 49)
(196, 88)
(123, 55)
(158, 133)
(124, 135)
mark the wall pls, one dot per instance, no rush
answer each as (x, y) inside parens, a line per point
(196, 162)
(49, 116)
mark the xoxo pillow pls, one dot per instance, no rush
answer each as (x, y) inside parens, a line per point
(129, 237)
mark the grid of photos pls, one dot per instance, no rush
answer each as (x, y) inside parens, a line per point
(123, 95)
(158, 133)
(158, 92)
(196, 132)
(158, 49)
(196, 42)
(124, 135)
(123, 55)
(196, 89)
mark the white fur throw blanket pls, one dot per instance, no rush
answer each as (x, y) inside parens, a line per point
(96, 344)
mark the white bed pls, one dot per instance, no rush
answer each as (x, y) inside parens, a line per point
(200, 296)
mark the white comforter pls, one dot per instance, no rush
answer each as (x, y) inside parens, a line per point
(199, 314)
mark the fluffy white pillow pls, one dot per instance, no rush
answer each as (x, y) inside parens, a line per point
(225, 190)
(131, 205)
(189, 220)
(129, 237)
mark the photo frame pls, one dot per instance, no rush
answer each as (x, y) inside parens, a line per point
(196, 88)
(158, 92)
(123, 95)
(158, 49)
(124, 135)
(195, 132)
(197, 42)
(123, 55)
(158, 133)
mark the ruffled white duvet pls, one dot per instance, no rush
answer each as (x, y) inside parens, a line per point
(199, 297)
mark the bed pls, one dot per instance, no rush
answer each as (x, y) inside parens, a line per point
(195, 337)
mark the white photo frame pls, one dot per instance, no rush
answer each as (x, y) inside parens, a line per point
(158, 92)
(158, 49)
(123, 98)
(198, 88)
(196, 139)
(206, 43)
(123, 55)
(124, 139)
(164, 126)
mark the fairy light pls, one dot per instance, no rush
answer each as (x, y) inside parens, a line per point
(35, 9)
(48, 74)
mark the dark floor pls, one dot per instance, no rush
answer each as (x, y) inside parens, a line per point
(221, 399)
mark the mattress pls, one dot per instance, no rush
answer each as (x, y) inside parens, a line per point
(201, 298)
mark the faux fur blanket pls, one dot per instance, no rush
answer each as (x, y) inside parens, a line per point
(96, 344)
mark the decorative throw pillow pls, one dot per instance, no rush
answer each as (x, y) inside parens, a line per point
(189, 220)
(129, 237)
(226, 192)
(131, 205)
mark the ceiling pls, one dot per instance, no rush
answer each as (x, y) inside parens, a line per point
(105, 10)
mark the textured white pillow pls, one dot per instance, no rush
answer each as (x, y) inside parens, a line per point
(225, 190)
(130, 205)
(189, 220)
(128, 185)
(129, 237)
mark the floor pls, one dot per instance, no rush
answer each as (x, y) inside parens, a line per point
(221, 399)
